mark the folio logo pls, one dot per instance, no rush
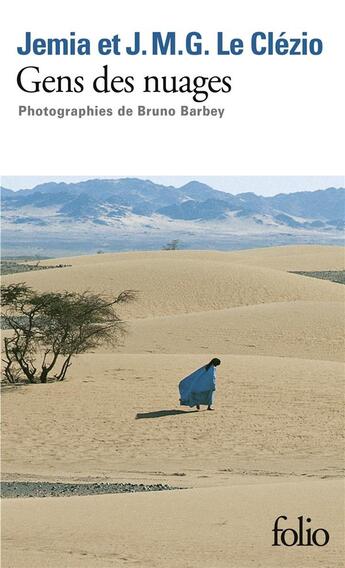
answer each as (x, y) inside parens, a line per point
(301, 536)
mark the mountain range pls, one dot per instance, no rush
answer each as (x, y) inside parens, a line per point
(140, 206)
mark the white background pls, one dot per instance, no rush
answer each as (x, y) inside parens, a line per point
(283, 116)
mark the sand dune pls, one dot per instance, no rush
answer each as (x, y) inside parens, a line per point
(311, 330)
(273, 446)
(194, 306)
(300, 257)
(171, 284)
(227, 527)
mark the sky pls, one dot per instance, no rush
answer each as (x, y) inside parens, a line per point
(261, 185)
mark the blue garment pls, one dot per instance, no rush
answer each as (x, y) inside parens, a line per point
(198, 388)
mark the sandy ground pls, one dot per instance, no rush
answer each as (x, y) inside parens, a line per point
(227, 527)
(180, 283)
(273, 446)
(271, 418)
(309, 330)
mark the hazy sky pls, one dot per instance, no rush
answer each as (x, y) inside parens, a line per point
(261, 185)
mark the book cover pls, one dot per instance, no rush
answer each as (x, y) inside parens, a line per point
(172, 198)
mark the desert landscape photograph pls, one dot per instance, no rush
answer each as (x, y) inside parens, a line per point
(116, 290)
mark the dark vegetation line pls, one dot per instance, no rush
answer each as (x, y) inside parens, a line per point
(14, 267)
(337, 276)
(14, 489)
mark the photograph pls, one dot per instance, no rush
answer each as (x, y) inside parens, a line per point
(181, 341)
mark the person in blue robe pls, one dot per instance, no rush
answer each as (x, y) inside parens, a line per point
(199, 387)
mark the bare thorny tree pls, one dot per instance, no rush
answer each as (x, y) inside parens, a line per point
(49, 328)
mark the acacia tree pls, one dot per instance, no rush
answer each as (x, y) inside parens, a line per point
(49, 328)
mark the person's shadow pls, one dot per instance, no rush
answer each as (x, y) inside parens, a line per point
(161, 413)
